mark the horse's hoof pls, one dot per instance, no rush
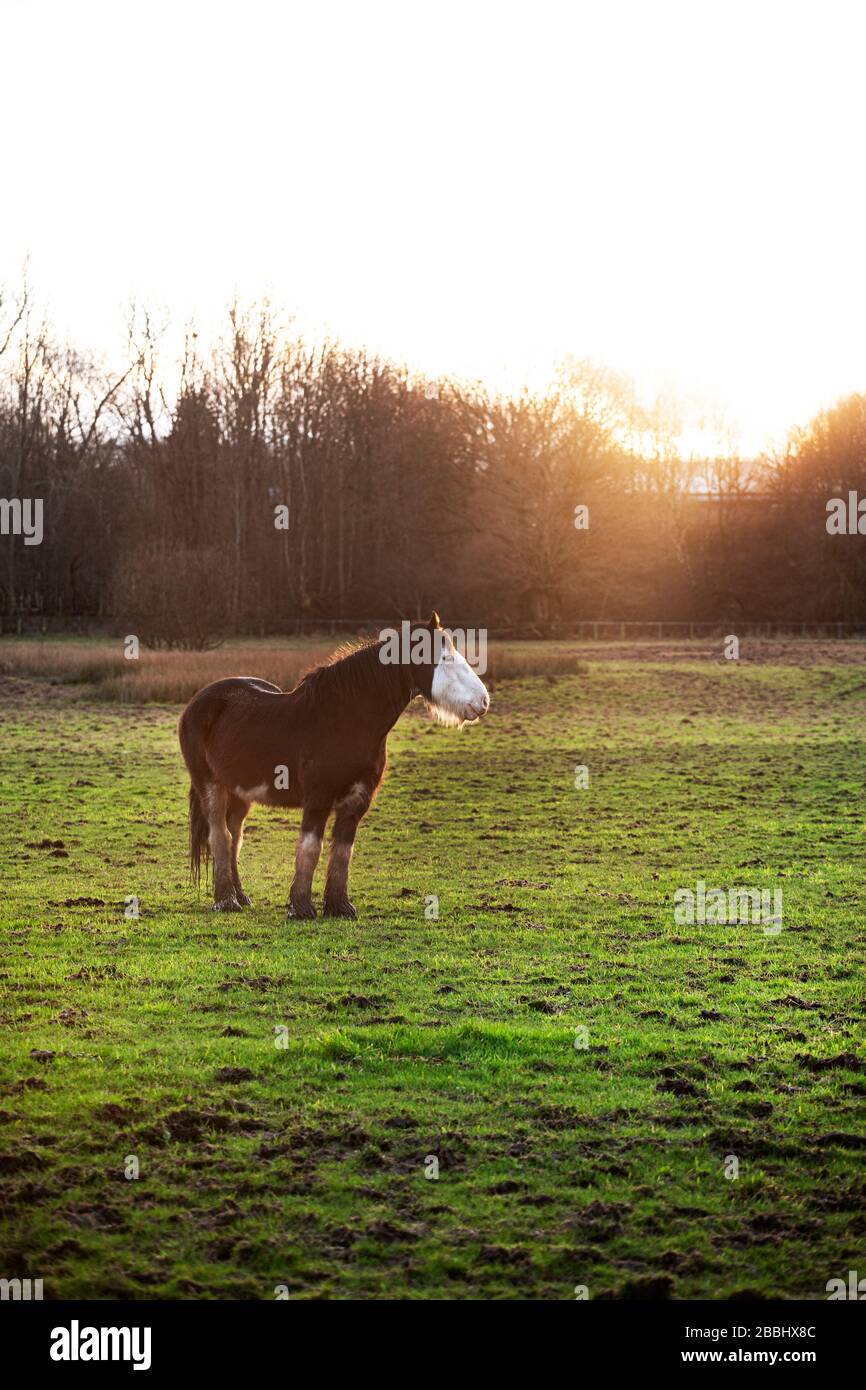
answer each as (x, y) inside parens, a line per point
(341, 908)
(229, 904)
(304, 912)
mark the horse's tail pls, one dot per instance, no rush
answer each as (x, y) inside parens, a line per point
(199, 842)
(193, 754)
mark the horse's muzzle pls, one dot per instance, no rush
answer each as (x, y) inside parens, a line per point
(479, 707)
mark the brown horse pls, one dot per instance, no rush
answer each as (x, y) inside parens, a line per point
(321, 746)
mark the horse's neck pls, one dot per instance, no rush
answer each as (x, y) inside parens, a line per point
(379, 702)
(397, 692)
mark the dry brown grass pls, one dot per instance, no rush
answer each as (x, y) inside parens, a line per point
(99, 667)
(104, 673)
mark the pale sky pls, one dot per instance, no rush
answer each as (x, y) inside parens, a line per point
(674, 189)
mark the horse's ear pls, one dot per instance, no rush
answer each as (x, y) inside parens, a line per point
(435, 620)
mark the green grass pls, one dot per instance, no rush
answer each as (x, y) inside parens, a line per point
(407, 1038)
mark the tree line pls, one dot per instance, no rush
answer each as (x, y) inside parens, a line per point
(265, 480)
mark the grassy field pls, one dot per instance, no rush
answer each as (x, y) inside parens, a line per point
(287, 1090)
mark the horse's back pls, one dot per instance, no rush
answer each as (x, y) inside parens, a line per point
(235, 687)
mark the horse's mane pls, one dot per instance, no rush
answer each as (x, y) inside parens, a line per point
(349, 673)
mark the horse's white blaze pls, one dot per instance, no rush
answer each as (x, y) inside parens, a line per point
(254, 793)
(457, 694)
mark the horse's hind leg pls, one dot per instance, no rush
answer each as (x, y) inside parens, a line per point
(216, 806)
(237, 812)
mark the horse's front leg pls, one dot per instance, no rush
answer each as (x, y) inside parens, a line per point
(348, 816)
(307, 852)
